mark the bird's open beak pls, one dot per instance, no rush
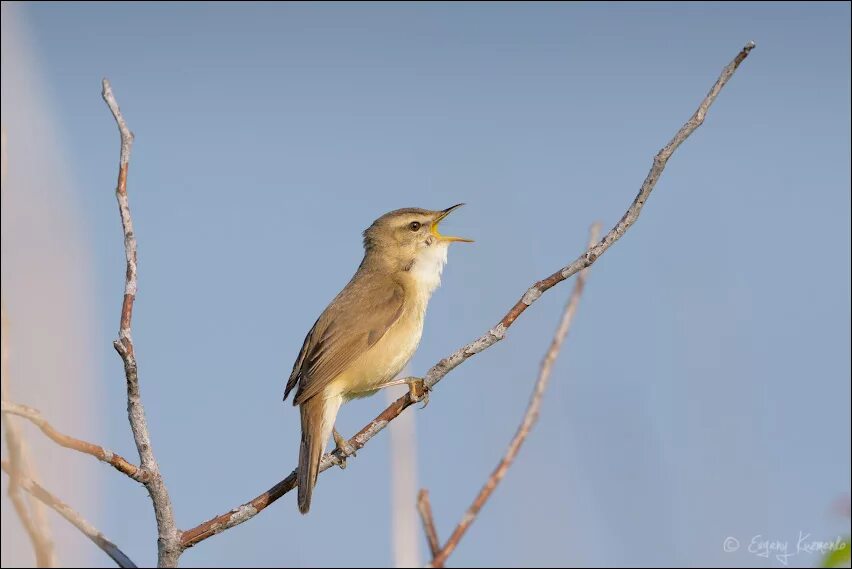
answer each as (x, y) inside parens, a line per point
(442, 215)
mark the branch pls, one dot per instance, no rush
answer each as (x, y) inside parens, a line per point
(168, 542)
(251, 508)
(63, 509)
(530, 416)
(425, 509)
(117, 461)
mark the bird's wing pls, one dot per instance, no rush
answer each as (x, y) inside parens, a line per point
(352, 324)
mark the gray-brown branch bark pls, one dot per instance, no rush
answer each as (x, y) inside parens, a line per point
(168, 540)
(115, 460)
(424, 507)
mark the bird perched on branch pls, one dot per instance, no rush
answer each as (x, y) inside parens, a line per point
(364, 338)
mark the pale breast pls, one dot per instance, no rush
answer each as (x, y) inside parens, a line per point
(384, 360)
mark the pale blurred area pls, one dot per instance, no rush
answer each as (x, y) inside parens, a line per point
(405, 522)
(48, 296)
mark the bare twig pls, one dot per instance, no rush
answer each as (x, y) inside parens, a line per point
(425, 509)
(168, 542)
(63, 509)
(251, 508)
(530, 416)
(117, 461)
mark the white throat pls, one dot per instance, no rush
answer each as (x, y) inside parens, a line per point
(428, 267)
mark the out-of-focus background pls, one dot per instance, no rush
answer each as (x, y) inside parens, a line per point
(703, 392)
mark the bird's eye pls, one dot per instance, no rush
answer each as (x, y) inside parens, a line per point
(414, 225)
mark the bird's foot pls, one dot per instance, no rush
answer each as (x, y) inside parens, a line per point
(342, 444)
(419, 392)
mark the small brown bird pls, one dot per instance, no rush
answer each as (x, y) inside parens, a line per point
(369, 331)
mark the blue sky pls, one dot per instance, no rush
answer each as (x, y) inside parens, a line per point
(704, 389)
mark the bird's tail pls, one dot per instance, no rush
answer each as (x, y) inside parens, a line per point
(318, 417)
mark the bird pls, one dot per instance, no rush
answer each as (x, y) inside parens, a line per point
(369, 331)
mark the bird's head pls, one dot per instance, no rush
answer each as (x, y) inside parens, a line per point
(409, 239)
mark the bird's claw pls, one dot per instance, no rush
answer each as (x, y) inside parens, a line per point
(418, 391)
(342, 445)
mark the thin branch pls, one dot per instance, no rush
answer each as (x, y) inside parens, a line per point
(117, 461)
(64, 510)
(168, 542)
(425, 509)
(251, 508)
(530, 416)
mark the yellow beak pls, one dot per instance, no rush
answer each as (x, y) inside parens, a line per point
(442, 215)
